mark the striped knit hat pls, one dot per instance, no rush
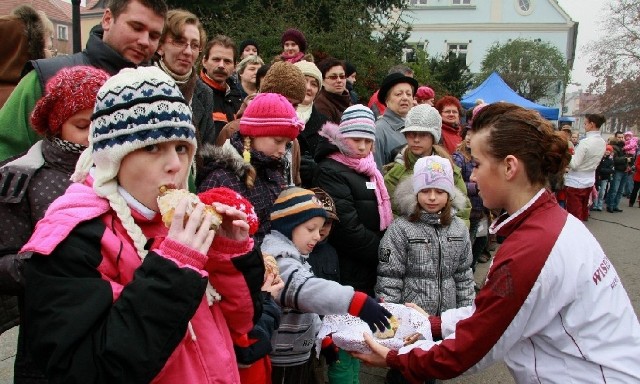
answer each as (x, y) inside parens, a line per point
(358, 121)
(293, 207)
(135, 108)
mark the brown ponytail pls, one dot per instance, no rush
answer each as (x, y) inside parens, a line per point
(525, 134)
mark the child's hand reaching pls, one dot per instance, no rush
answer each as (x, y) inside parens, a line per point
(234, 224)
(196, 232)
(273, 284)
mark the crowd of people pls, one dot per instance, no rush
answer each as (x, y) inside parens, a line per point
(304, 203)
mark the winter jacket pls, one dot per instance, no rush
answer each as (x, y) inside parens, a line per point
(450, 137)
(303, 298)
(308, 140)
(389, 139)
(605, 169)
(466, 168)
(332, 105)
(553, 308)
(620, 162)
(98, 313)
(357, 235)
(424, 262)
(16, 134)
(226, 102)
(324, 261)
(399, 171)
(225, 167)
(29, 184)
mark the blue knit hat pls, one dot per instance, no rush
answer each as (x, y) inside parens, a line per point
(134, 108)
(293, 207)
(358, 121)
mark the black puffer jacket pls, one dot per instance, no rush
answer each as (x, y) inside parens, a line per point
(357, 235)
(28, 187)
(308, 140)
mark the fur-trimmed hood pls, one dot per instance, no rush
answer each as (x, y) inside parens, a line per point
(226, 157)
(23, 40)
(406, 200)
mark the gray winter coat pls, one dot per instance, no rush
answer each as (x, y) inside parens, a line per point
(303, 298)
(424, 262)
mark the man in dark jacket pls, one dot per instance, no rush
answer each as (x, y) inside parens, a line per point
(218, 65)
(129, 36)
(621, 165)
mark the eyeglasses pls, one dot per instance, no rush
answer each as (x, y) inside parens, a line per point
(195, 47)
(450, 112)
(336, 77)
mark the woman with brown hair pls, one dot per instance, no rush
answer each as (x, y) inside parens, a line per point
(536, 310)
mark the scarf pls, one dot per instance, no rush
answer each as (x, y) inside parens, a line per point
(368, 167)
(304, 112)
(293, 59)
(186, 83)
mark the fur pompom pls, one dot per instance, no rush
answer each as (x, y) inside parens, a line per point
(331, 132)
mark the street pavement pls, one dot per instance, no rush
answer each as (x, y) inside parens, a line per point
(618, 234)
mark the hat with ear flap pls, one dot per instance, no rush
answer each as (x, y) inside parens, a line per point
(293, 207)
(134, 108)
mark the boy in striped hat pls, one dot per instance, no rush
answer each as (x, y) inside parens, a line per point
(297, 217)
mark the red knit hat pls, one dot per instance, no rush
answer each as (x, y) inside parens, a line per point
(270, 114)
(70, 91)
(296, 36)
(233, 199)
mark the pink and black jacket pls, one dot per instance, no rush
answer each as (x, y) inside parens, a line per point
(97, 313)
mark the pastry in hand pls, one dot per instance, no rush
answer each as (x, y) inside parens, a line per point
(170, 197)
(389, 332)
(270, 265)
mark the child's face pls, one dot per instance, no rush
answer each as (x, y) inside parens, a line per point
(432, 200)
(76, 128)
(144, 171)
(359, 147)
(419, 143)
(270, 145)
(306, 235)
(326, 229)
(607, 152)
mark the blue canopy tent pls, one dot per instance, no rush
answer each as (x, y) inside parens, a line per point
(494, 89)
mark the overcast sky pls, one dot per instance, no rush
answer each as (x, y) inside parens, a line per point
(588, 14)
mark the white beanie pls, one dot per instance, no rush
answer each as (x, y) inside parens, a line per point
(433, 172)
(310, 69)
(424, 118)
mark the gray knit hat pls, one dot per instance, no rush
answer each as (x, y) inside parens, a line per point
(424, 118)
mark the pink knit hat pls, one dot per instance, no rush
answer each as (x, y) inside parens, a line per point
(425, 93)
(270, 114)
(70, 91)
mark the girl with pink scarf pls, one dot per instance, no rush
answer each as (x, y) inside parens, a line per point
(349, 174)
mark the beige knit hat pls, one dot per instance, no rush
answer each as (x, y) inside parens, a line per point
(310, 69)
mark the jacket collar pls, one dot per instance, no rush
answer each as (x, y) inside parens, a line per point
(505, 224)
(103, 56)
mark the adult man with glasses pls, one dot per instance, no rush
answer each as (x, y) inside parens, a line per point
(180, 46)
(218, 65)
(127, 37)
